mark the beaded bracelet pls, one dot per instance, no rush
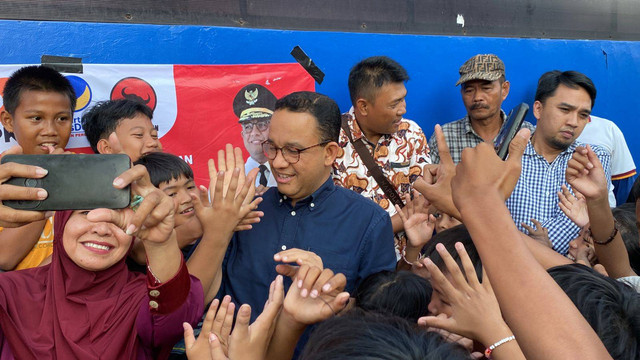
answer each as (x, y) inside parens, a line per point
(487, 353)
(614, 232)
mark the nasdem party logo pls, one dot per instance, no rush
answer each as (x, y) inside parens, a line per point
(83, 91)
(134, 88)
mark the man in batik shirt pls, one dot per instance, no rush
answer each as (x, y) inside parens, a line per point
(398, 145)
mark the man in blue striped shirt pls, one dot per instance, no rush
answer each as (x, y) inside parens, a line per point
(562, 106)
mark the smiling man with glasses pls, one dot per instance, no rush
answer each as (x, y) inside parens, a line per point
(306, 213)
(253, 105)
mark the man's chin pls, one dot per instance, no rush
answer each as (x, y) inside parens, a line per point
(561, 145)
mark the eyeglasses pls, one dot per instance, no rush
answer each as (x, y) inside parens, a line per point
(289, 153)
(261, 125)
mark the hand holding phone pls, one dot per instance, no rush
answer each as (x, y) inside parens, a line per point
(9, 217)
(73, 181)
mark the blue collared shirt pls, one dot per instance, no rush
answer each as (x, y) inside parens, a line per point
(536, 194)
(352, 235)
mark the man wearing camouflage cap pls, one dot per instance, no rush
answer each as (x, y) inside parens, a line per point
(253, 105)
(483, 88)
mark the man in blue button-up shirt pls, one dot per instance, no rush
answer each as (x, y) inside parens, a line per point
(351, 234)
(562, 107)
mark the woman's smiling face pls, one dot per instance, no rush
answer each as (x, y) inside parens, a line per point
(94, 246)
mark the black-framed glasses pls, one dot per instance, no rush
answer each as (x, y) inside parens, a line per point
(289, 153)
(261, 125)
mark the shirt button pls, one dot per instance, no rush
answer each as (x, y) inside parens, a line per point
(312, 205)
(280, 200)
(293, 213)
(284, 247)
(284, 196)
(154, 293)
(153, 304)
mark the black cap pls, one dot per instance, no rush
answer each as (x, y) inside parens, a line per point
(254, 102)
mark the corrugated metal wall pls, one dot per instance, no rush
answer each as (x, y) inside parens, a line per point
(568, 19)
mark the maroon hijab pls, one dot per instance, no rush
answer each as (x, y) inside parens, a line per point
(61, 311)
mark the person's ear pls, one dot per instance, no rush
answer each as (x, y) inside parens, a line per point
(331, 151)
(362, 106)
(7, 120)
(537, 109)
(506, 86)
(104, 147)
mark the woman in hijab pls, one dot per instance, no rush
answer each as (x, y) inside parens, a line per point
(85, 304)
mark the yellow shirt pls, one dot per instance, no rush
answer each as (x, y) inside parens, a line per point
(41, 250)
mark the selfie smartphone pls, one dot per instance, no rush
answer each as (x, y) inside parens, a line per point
(73, 181)
(509, 130)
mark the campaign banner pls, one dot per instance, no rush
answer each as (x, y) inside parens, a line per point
(193, 105)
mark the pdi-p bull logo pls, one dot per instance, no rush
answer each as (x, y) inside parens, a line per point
(134, 88)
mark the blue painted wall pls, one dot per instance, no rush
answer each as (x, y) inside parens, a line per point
(432, 61)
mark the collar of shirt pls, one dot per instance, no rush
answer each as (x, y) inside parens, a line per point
(357, 133)
(468, 129)
(531, 151)
(313, 200)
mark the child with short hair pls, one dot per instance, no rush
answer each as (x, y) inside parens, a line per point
(38, 109)
(130, 120)
(174, 177)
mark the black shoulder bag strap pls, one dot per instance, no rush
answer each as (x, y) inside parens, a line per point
(386, 186)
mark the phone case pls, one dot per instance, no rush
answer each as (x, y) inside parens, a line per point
(73, 181)
(514, 123)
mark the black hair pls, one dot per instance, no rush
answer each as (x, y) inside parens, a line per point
(401, 293)
(611, 307)
(103, 118)
(164, 167)
(370, 74)
(625, 215)
(549, 82)
(36, 78)
(449, 238)
(634, 194)
(360, 335)
(322, 107)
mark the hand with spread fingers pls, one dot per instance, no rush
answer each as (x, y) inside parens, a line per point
(539, 233)
(488, 171)
(586, 175)
(475, 310)
(250, 342)
(297, 256)
(315, 295)
(435, 185)
(9, 217)
(418, 223)
(229, 160)
(574, 206)
(226, 207)
(219, 218)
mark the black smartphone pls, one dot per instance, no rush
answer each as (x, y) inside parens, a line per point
(509, 130)
(73, 181)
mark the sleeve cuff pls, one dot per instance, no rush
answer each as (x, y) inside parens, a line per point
(165, 298)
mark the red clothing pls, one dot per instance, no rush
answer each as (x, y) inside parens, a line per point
(61, 311)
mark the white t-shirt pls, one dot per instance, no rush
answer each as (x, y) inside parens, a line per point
(606, 133)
